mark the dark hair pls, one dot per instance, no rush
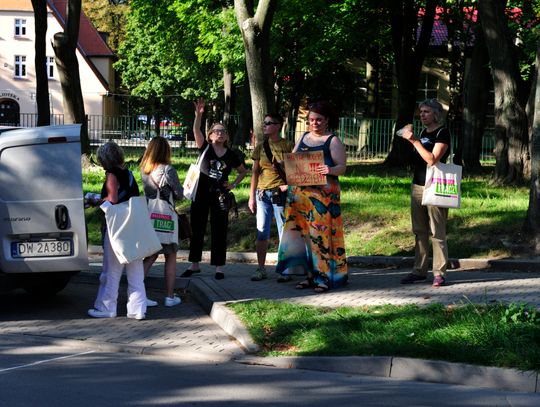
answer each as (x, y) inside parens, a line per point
(110, 155)
(275, 116)
(325, 109)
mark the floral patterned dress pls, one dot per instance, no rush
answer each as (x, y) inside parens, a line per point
(313, 243)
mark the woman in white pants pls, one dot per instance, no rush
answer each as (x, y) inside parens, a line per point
(119, 186)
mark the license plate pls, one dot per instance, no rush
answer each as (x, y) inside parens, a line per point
(43, 248)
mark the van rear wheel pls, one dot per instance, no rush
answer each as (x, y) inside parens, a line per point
(46, 284)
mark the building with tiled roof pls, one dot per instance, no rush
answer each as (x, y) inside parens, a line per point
(17, 70)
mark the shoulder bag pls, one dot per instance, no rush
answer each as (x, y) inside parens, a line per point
(192, 178)
(130, 232)
(443, 185)
(163, 215)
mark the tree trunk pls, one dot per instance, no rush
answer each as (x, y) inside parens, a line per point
(42, 80)
(475, 104)
(532, 223)
(243, 132)
(409, 58)
(510, 119)
(255, 28)
(65, 46)
(373, 82)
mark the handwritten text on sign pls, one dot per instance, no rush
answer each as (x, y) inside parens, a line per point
(301, 168)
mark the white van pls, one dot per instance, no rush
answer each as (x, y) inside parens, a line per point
(42, 224)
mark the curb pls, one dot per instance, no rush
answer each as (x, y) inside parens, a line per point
(524, 264)
(408, 369)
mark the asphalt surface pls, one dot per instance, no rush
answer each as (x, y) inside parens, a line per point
(203, 327)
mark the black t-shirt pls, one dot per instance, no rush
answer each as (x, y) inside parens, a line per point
(428, 140)
(215, 170)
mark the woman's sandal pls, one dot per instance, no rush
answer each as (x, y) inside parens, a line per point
(304, 284)
(321, 288)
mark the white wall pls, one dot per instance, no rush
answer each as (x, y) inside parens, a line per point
(23, 90)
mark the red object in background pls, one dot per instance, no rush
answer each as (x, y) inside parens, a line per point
(169, 123)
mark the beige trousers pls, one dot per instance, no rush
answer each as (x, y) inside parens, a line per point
(426, 221)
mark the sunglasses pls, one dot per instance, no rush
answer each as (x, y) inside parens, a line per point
(270, 123)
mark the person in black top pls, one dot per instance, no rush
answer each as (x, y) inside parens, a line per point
(431, 147)
(216, 166)
(119, 186)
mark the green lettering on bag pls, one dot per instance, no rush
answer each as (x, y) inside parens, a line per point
(445, 189)
(162, 225)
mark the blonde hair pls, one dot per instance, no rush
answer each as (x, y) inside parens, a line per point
(157, 152)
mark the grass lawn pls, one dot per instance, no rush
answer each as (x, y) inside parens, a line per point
(490, 335)
(375, 203)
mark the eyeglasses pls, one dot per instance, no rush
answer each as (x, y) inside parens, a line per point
(270, 123)
(219, 131)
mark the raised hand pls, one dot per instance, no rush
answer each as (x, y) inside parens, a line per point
(199, 106)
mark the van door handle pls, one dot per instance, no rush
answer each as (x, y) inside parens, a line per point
(62, 217)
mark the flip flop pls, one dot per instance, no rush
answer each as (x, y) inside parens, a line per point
(321, 288)
(304, 284)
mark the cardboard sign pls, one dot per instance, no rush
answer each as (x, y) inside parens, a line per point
(300, 168)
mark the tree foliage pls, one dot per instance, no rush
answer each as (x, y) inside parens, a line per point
(110, 17)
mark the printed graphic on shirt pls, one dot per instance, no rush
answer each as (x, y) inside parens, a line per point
(216, 169)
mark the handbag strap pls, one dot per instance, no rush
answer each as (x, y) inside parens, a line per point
(200, 158)
(158, 186)
(273, 161)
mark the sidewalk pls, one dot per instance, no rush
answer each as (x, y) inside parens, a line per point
(511, 281)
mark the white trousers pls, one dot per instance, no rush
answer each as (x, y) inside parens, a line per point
(109, 282)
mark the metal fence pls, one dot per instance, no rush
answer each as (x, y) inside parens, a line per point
(364, 138)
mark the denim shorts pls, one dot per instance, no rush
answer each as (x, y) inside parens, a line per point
(266, 210)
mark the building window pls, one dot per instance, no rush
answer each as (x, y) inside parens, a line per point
(50, 67)
(20, 66)
(428, 87)
(20, 27)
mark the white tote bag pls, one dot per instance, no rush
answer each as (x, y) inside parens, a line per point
(443, 186)
(192, 178)
(130, 231)
(164, 219)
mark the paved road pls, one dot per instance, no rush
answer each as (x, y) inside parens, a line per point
(40, 374)
(188, 332)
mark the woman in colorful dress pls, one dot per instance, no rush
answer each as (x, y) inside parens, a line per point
(312, 243)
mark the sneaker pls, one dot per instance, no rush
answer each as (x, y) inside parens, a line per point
(151, 303)
(413, 278)
(219, 275)
(172, 301)
(138, 317)
(439, 281)
(284, 278)
(259, 275)
(95, 313)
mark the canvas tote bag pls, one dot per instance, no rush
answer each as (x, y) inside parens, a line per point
(163, 216)
(192, 178)
(130, 232)
(443, 186)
